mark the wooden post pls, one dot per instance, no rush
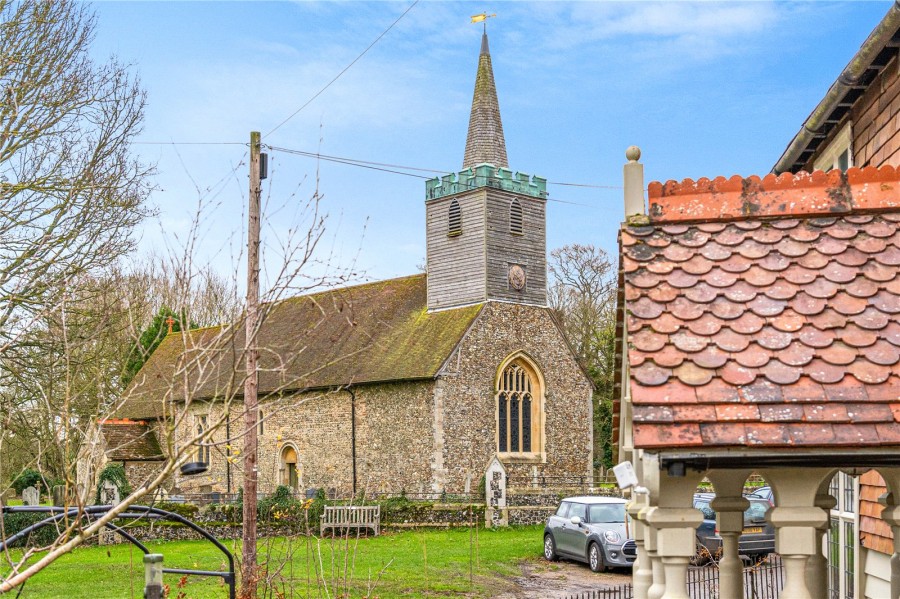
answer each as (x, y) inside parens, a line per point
(153, 576)
(248, 564)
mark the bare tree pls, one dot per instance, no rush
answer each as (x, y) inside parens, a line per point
(70, 189)
(582, 293)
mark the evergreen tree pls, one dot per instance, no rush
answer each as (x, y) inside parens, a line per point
(150, 339)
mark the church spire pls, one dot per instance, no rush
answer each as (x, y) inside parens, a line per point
(485, 142)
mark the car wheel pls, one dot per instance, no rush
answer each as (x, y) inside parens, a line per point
(595, 558)
(550, 548)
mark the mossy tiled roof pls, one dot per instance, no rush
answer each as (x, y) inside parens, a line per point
(130, 440)
(376, 332)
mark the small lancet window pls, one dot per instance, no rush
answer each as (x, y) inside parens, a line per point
(515, 218)
(455, 220)
(203, 450)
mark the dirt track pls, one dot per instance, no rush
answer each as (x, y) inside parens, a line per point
(544, 580)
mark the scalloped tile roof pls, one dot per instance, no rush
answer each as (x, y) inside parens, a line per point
(764, 312)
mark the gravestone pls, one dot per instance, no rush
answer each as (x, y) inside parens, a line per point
(30, 496)
(59, 495)
(109, 495)
(496, 513)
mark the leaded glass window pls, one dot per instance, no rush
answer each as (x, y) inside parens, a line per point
(515, 411)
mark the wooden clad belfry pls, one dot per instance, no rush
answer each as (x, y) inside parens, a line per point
(494, 247)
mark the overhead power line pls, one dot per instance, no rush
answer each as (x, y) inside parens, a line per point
(338, 76)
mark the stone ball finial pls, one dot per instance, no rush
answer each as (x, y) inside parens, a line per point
(633, 153)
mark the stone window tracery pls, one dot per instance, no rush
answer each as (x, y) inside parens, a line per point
(519, 415)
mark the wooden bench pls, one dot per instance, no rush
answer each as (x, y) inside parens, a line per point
(351, 516)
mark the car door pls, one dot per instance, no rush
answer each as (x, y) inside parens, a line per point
(573, 539)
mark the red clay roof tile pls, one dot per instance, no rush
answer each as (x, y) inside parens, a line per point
(784, 327)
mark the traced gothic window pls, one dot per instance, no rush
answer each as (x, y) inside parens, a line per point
(203, 446)
(515, 218)
(518, 416)
(455, 219)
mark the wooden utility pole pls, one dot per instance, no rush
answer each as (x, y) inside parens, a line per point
(251, 383)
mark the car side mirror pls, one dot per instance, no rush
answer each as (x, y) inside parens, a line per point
(576, 520)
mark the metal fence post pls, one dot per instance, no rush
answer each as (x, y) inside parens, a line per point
(153, 576)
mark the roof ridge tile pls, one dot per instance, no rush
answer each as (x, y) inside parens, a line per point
(787, 195)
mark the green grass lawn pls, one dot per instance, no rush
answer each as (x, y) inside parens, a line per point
(409, 564)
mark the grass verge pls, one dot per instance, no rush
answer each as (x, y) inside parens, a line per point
(445, 563)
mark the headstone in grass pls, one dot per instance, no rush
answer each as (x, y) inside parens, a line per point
(59, 495)
(496, 513)
(109, 495)
(31, 496)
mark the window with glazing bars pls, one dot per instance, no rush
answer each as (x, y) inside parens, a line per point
(514, 403)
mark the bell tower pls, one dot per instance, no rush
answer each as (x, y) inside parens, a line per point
(485, 225)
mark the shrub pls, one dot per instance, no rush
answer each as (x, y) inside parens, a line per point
(29, 478)
(17, 521)
(185, 510)
(114, 473)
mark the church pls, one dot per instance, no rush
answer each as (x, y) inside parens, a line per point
(412, 384)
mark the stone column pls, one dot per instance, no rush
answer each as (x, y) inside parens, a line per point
(817, 569)
(891, 515)
(796, 520)
(730, 521)
(730, 506)
(675, 539)
(642, 576)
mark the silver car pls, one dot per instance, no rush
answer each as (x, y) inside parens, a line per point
(596, 530)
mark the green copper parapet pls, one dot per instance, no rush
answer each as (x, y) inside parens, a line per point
(486, 175)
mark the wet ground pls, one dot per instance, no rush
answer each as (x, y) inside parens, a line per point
(556, 580)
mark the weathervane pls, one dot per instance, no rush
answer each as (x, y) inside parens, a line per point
(483, 17)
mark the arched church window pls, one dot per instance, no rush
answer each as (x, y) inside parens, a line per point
(203, 453)
(455, 219)
(515, 218)
(518, 410)
(290, 473)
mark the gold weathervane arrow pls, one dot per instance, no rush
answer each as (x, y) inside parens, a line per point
(482, 17)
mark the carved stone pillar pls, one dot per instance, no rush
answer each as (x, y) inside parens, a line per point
(675, 536)
(891, 515)
(730, 520)
(817, 568)
(642, 576)
(796, 520)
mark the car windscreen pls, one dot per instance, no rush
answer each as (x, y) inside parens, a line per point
(606, 512)
(563, 509)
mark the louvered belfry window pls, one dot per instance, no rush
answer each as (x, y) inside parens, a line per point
(514, 405)
(515, 218)
(455, 219)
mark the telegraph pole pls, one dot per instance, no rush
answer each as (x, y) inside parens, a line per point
(251, 383)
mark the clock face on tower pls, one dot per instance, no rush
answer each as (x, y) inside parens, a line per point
(517, 277)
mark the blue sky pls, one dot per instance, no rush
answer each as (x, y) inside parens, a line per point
(705, 89)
